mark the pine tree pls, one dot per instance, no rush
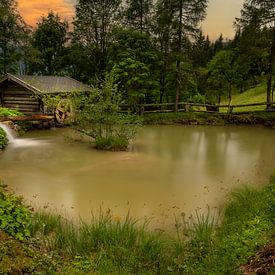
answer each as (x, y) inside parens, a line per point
(138, 14)
(261, 13)
(12, 34)
(93, 23)
(187, 15)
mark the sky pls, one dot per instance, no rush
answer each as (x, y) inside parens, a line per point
(220, 14)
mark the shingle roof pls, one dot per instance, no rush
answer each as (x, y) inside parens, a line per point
(49, 84)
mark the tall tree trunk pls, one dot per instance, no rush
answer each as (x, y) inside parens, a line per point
(162, 82)
(270, 71)
(141, 16)
(4, 60)
(178, 84)
(229, 97)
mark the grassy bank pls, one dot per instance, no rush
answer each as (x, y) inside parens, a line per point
(195, 118)
(108, 244)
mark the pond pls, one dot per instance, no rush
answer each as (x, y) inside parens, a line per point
(168, 170)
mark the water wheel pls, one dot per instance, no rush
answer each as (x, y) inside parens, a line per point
(64, 111)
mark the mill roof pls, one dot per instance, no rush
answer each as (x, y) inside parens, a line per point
(48, 84)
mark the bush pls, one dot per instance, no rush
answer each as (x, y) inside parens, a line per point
(15, 218)
(3, 139)
(4, 112)
(99, 116)
(111, 143)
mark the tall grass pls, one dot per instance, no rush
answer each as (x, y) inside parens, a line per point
(121, 242)
(109, 244)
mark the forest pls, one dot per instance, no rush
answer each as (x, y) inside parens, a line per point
(155, 50)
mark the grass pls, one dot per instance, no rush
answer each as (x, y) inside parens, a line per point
(188, 118)
(256, 94)
(109, 244)
(192, 118)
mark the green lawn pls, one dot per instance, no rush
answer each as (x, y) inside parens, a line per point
(253, 95)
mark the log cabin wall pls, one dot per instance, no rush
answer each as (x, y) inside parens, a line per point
(17, 97)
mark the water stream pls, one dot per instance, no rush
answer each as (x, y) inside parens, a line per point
(167, 171)
(15, 141)
(9, 132)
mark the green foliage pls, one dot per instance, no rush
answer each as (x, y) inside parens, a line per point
(137, 14)
(15, 218)
(223, 70)
(3, 139)
(50, 101)
(49, 39)
(246, 225)
(4, 112)
(133, 61)
(111, 143)
(93, 24)
(98, 115)
(12, 36)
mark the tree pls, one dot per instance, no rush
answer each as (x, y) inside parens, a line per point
(12, 35)
(133, 60)
(163, 31)
(201, 52)
(93, 23)
(223, 71)
(187, 15)
(99, 116)
(137, 14)
(175, 22)
(262, 12)
(80, 61)
(251, 47)
(218, 44)
(49, 39)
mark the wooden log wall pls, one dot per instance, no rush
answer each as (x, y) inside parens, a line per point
(19, 98)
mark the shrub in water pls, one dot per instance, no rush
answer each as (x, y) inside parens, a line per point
(111, 143)
(99, 116)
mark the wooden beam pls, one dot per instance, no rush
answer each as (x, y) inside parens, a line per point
(27, 118)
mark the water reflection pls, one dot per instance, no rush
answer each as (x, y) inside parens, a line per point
(169, 170)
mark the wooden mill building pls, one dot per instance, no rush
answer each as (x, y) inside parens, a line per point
(21, 92)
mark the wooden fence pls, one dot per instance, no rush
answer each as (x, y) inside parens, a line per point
(198, 107)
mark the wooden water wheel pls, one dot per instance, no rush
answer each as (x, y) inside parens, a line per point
(64, 112)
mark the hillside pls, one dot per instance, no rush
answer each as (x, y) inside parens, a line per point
(253, 95)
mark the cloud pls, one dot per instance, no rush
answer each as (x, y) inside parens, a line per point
(32, 10)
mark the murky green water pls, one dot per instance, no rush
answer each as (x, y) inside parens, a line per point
(168, 170)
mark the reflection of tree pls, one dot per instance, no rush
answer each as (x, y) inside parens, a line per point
(214, 152)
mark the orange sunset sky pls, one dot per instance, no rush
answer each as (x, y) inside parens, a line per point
(220, 13)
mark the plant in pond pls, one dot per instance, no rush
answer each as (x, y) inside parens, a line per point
(14, 216)
(98, 115)
(3, 139)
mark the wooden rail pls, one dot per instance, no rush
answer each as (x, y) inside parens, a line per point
(189, 106)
